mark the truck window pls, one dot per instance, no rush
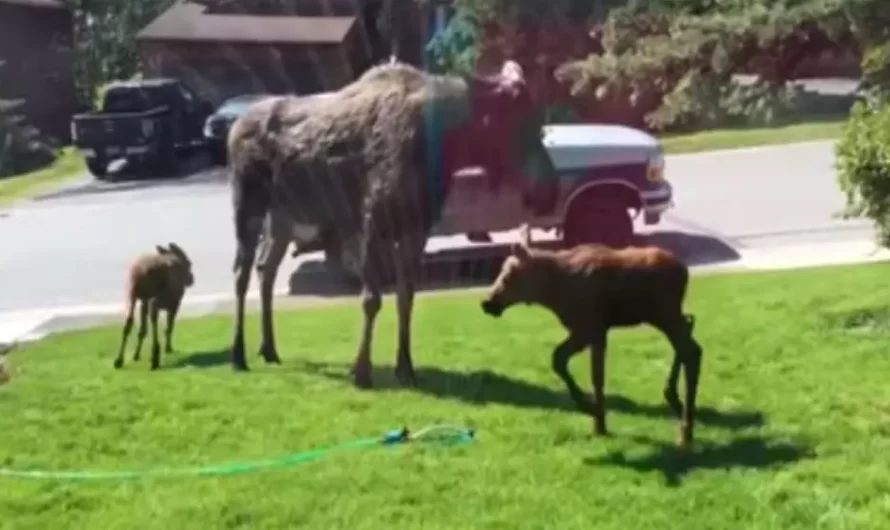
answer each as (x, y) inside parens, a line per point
(125, 100)
(186, 94)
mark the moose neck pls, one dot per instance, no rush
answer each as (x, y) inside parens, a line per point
(554, 292)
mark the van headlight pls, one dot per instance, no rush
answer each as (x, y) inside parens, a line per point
(655, 169)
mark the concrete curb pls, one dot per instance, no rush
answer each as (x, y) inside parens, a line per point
(34, 324)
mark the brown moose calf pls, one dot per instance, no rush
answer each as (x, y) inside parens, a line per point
(592, 288)
(156, 281)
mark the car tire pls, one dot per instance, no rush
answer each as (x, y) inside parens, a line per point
(333, 262)
(98, 167)
(596, 218)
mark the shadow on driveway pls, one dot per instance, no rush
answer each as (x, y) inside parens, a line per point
(478, 264)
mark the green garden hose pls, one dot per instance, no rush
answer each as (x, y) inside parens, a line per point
(445, 434)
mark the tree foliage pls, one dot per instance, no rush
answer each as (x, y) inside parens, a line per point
(106, 46)
(677, 69)
(863, 163)
(670, 63)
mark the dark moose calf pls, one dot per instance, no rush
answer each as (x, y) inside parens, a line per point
(592, 288)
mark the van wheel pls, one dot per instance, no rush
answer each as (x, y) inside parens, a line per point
(599, 219)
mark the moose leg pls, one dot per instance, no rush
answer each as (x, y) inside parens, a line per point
(125, 335)
(245, 255)
(560, 363)
(274, 248)
(687, 353)
(598, 377)
(155, 343)
(407, 264)
(172, 311)
(143, 329)
(371, 302)
(671, 396)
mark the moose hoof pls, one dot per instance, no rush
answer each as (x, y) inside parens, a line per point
(684, 441)
(270, 355)
(673, 401)
(118, 363)
(406, 377)
(362, 380)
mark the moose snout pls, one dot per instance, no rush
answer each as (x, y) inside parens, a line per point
(492, 307)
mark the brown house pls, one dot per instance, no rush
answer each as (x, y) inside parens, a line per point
(222, 48)
(36, 49)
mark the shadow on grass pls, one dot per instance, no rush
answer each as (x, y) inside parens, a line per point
(484, 387)
(753, 452)
(204, 359)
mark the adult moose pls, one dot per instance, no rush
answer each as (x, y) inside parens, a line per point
(362, 172)
(592, 288)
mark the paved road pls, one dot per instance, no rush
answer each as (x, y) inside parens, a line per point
(72, 248)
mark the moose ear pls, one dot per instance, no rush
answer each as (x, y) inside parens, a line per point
(520, 251)
(162, 250)
(512, 72)
(525, 235)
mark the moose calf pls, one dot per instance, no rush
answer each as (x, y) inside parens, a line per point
(592, 288)
(156, 281)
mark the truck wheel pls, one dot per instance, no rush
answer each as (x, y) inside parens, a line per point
(166, 162)
(218, 155)
(598, 218)
(98, 168)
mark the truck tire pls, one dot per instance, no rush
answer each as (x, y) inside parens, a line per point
(598, 217)
(218, 155)
(98, 167)
(166, 162)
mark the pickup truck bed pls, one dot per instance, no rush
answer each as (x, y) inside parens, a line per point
(107, 136)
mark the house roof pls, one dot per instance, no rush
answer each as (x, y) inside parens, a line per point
(187, 21)
(50, 4)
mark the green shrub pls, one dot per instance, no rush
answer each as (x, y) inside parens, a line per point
(876, 67)
(863, 163)
(21, 149)
(700, 101)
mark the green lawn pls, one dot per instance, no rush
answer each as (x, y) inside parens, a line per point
(748, 137)
(69, 165)
(794, 427)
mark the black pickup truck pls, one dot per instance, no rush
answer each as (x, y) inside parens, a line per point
(148, 122)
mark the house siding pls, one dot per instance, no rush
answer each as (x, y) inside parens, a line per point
(218, 71)
(36, 49)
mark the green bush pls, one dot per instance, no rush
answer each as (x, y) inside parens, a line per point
(21, 148)
(863, 163)
(876, 67)
(700, 101)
